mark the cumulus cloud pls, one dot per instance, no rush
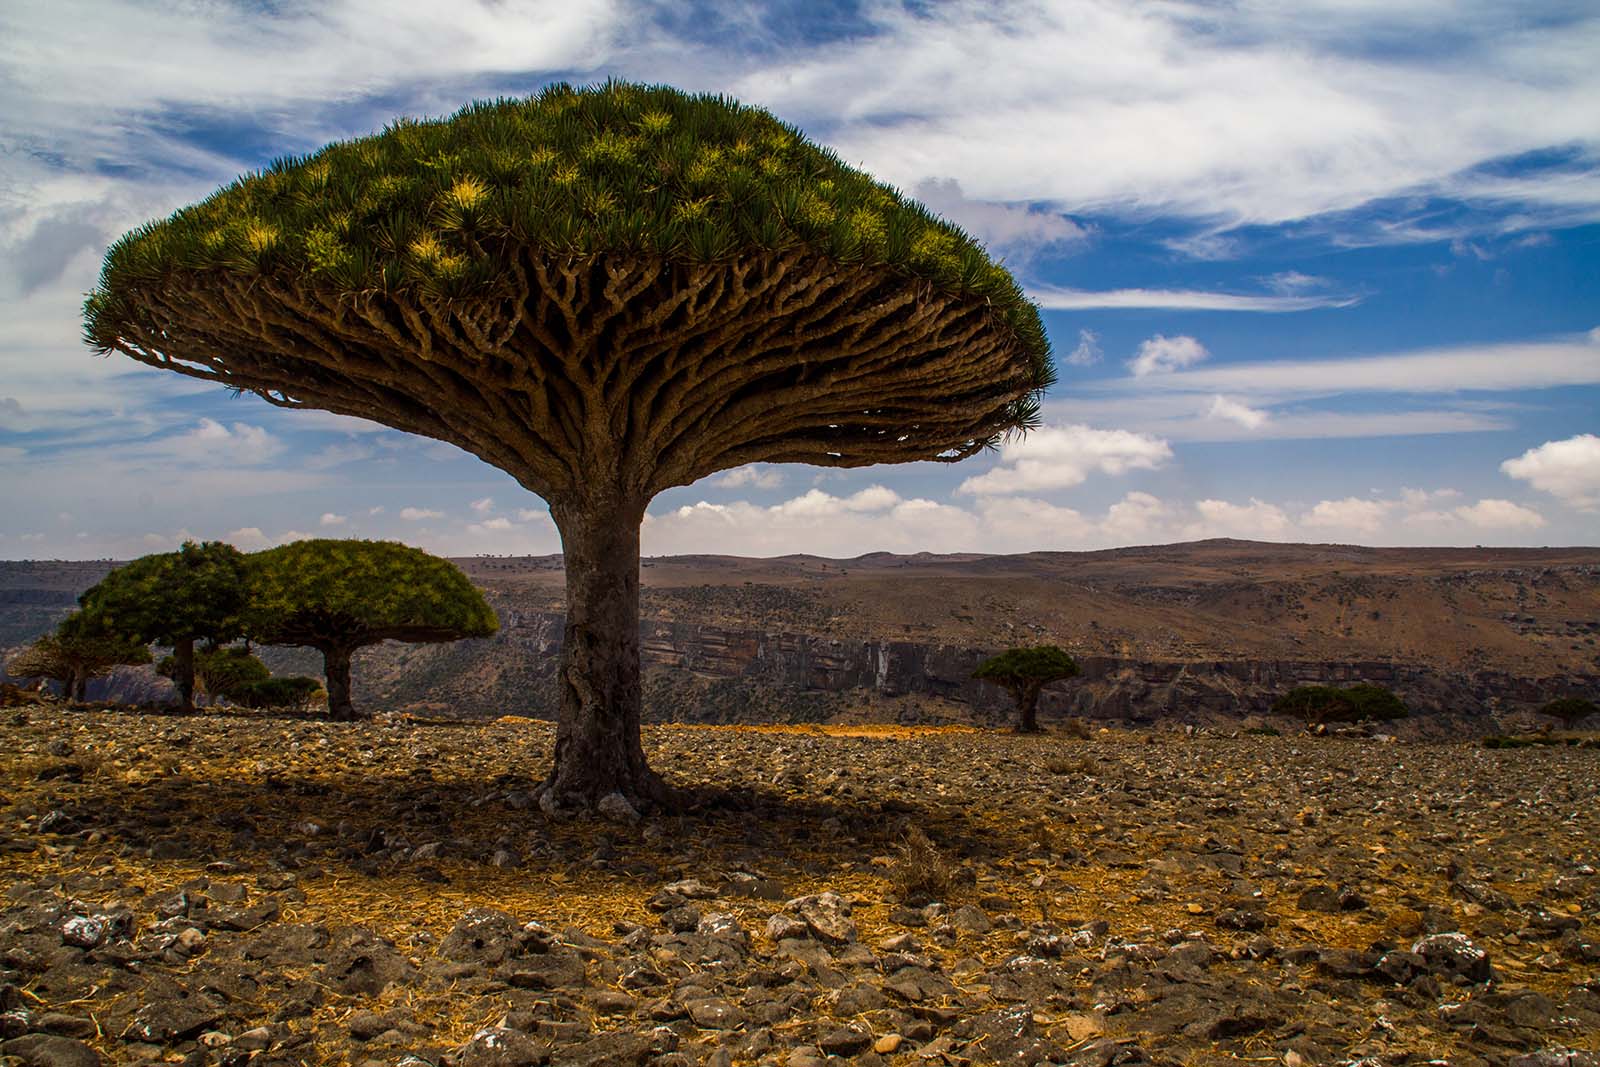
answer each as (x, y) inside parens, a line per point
(753, 475)
(1568, 469)
(499, 522)
(483, 505)
(1162, 355)
(419, 514)
(1231, 410)
(1255, 521)
(1351, 513)
(240, 444)
(1500, 515)
(330, 519)
(1087, 352)
(1058, 457)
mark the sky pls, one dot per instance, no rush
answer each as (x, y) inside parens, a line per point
(1321, 271)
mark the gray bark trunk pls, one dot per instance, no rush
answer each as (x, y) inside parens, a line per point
(336, 669)
(598, 749)
(183, 676)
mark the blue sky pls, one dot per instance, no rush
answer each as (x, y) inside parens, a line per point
(1325, 271)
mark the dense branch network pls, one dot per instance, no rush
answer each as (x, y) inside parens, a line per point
(656, 372)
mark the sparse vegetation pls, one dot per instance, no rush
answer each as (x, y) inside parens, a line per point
(73, 658)
(921, 873)
(220, 672)
(1322, 704)
(1569, 711)
(1024, 672)
(292, 693)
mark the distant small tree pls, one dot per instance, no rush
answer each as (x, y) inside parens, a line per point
(338, 596)
(1569, 711)
(72, 659)
(1023, 672)
(1318, 704)
(220, 672)
(197, 593)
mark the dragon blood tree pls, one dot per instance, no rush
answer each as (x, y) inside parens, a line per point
(338, 596)
(605, 292)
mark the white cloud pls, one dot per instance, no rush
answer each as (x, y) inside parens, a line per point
(330, 519)
(215, 444)
(375, 511)
(1018, 228)
(1059, 457)
(483, 505)
(1255, 521)
(1234, 411)
(1163, 355)
(533, 514)
(1136, 518)
(1087, 351)
(1351, 513)
(753, 475)
(1058, 298)
(1568, 469)
(1268, 114)
(419, 514)
(1494, 367)
(499, 522)
(1500, 514)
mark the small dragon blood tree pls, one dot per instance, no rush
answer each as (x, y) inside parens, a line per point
(604, 292)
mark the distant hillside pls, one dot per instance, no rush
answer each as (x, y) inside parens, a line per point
(1202, 629)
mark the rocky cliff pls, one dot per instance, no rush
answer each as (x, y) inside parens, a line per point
(1198, 632)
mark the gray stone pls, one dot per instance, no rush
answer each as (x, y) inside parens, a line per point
(49, 1050)
(615, 806)
(715, 1013)
(1452, 953)
(499, 1047)
(826, 915)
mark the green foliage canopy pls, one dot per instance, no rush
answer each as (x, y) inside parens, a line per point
(1569, 710)
(330, 593)
(644, 170)
(1355, 703)
(195, 594)
(1019, 667)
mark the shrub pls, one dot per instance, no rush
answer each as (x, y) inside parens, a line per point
(922, 874)
(295, 693)
(1569, 710)
(220, 672)
(1326, 703)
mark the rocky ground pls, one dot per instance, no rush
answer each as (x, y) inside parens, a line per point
(232, 890)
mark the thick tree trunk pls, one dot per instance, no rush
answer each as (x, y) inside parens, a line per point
(78, 685)
(336, 667)
(1028, 710)
(183, 676)
(598, 750)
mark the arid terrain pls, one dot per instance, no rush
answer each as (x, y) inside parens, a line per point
(1207, 632)
(238, 890)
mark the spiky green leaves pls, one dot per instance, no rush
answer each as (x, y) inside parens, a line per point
(338, 593)
(443, 206)
(196, 593)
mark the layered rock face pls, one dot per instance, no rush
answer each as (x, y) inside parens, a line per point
(1204, 632)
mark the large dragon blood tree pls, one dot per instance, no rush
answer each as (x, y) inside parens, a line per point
(604, 292)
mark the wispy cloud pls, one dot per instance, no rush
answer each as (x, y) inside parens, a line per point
(1468, 368)
(1057, 298)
